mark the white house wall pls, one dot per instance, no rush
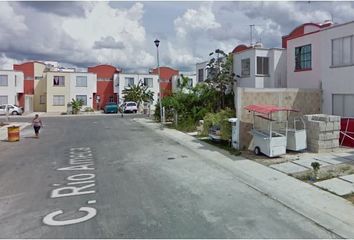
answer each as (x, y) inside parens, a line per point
(335, 80)
(89, 90)
(304, 79)
(277, 68)
(247, 82)
(14, 86)
(119, 84)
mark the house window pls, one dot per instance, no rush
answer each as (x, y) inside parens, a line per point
(343, 105)
(83, 98)
(42, 99)
(129, 81)
(148, 82)
(303, 57)
(3, 80)
(58, 81)
(245, 67)
(263, 65)
(111, 99)
(58, 100)
(38, 78)
(343, 51)
(3, 99)
(81, 81)
(200, 75)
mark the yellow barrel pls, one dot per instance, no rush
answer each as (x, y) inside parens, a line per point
(13, 134)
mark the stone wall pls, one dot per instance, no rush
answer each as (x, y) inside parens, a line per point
(322, 132)
(307, 101)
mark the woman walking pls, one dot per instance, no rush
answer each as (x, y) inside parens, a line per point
(37, 124)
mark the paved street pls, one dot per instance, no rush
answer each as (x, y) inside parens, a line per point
(110, 177)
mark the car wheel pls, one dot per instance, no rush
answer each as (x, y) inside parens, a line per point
(14, 113)
(134, 111)
(257, 150)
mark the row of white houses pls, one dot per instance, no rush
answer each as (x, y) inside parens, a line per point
(53, 88)
(313, 56)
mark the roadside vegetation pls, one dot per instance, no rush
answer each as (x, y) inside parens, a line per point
(211, 101)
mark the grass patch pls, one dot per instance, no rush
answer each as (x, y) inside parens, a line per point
(225, 145)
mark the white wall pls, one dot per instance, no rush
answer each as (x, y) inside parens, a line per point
(304, 79)
(203, 66)
(277, 68)
(177, 77)
(335, 80)
(119, 84)
(89, 90)
(15, 85)
(248, 82)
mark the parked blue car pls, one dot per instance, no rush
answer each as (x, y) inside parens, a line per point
(111, 107)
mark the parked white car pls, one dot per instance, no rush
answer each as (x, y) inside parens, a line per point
(129, 107)
(12, 109)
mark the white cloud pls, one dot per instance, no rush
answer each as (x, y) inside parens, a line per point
(7, 63)
(194, 21)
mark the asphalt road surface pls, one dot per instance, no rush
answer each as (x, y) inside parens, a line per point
(110, 177)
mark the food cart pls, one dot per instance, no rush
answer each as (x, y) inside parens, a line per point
(270, 136)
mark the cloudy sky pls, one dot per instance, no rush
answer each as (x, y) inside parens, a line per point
(83, 34)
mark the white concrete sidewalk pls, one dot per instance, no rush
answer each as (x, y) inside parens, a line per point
(328, 210)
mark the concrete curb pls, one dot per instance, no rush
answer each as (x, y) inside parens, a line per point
(325, 209)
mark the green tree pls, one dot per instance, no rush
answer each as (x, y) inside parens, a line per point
(220, 75)
(138, 93)
(76, 105)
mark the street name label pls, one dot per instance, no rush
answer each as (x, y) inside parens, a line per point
(83, 183)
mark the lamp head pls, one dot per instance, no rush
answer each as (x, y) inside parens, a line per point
(157, 42)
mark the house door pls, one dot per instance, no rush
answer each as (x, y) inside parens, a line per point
(28, 103)
(343, 105)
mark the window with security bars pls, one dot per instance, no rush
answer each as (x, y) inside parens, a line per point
(129, 81)
(58, 100)
(303, 57)
(3, 99)
(148, 82)
(263, 65)
(200, 75)
(245, 67)
(58, 81)
(42, 99)
(83, 98)
(343, 51)
(3, 80)
(81, 81)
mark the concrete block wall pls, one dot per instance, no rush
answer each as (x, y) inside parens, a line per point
(322, 132)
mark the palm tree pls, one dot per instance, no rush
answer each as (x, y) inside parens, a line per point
(138, 93)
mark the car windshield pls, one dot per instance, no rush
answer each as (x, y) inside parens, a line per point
(131, 104)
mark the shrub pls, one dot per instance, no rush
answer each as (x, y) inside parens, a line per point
(88, 109)
(220, 119)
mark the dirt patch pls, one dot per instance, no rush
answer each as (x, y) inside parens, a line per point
(325, 173)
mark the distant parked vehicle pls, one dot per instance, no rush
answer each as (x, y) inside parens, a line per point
(131, 107)
(12, 109)
(111, 107)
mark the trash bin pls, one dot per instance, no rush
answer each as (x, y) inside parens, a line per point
(13, 133)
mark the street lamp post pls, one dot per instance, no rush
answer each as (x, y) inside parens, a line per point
(157, 43)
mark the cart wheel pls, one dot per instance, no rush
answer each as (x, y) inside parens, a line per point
(257, 151)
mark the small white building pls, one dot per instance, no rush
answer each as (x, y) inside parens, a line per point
(83, 85)
(177, 81)
(125, 80)
(201, 71)
(321, 56)
(258, 67)
(11, 86)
